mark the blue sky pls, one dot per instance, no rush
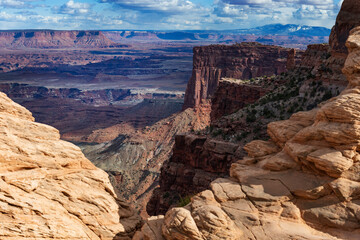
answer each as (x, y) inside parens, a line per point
(164, 14)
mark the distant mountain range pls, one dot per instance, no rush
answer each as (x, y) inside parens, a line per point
(271, 29)
(290, 35)
(286, 30)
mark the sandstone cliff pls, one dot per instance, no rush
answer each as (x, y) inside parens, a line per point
(234, 94)
(347, 19)
(55, 39)
(49, 190)
(303, 183)
(241, 61)
(133, 159)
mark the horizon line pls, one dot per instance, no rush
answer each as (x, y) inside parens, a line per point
(143, 30)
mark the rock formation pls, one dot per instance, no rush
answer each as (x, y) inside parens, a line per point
(240, 61)
(133, 160)
(234, 94)
(347, 19)
(291, 63)
(55, 39)
(301, 184)
(196, 161)
(49, 190)
(231, 95)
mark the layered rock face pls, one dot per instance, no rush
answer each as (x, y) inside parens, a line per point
(347, 19)
(301, 184)
(196, 161)
(49, 190)
(315, 55)
(55, 39)
(133, 159)
(101, 97)
(241, 61)
(232, 95)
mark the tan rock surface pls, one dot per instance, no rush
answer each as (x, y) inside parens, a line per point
(313, 194)
(48, 189)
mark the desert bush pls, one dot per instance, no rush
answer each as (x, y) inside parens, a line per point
(184, 201)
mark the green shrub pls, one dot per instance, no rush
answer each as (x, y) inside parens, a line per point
(217, 132)
(327, 95)
(257, 129)
(238, 137)
(184, 201)
(250, 118)
(244, 134)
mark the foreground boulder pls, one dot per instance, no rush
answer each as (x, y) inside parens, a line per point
(306, 187)
(49, 190)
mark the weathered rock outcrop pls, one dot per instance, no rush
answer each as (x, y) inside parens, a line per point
(240, 61)
(291, 59)
(301, 184)
(101, 97)
(234, 94)
(55, 39)
(49, 190)
(315, 55)
(347, 19)
(133, 160)
(231, 95)
(195, 163)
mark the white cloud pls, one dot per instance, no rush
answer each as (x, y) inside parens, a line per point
(261, 12)
(311, 12)
(165, 6)
(166, 14)
(248, 2)
(72, 8)
(14, 4)
(229, 10)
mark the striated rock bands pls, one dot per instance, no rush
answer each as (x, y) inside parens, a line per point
(347, 19)
(240, 61)
(49, 190)
(133, 160)
(232, 95)
(301, 184)
(195, 163)
(55, 39)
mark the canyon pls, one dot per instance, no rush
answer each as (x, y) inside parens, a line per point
(117, 103)
(49, 190)
(189, 158)
(55, 39)
(241, 61)
(301, 182)
(134, 158)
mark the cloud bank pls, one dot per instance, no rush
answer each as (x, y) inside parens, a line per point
(164, 14)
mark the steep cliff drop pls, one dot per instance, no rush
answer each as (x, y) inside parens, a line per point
(347, 19)
(241, 61)
(301, 184)
(49, 190)
(45, 39)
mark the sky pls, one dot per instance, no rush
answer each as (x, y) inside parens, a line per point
(164, 14)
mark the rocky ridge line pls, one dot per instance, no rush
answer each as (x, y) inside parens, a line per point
(301, 184)
(240, 61)
(44, 39)
(49, 190)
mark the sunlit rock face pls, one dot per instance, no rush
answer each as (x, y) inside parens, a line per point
(49, 190)
(303, 183)
(55, 39)
(241, 61)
